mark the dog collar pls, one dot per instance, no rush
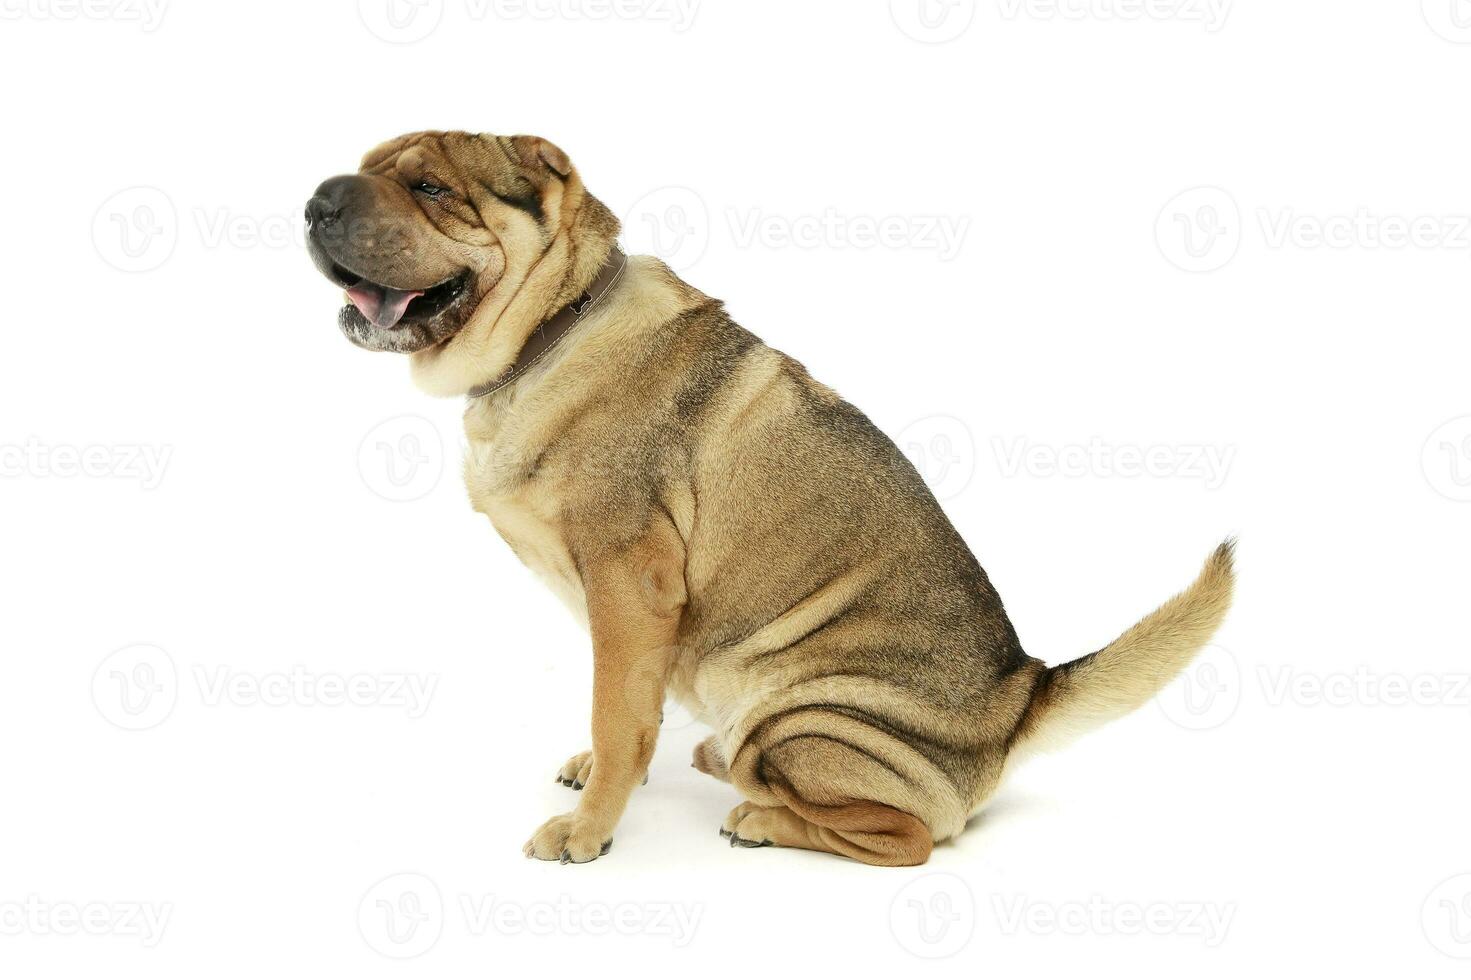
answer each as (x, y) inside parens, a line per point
(546, 336)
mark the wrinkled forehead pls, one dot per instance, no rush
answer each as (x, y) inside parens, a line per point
(417, 155)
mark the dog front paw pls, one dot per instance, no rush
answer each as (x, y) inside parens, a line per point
(576, 771)
(709, 760)
(570, 839)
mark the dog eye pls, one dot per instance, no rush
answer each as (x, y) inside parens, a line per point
(428, 189)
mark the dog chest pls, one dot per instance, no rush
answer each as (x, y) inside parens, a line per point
(528, 523)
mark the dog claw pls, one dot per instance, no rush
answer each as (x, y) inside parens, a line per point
(575, 784)
(566, 855)
(736, 841)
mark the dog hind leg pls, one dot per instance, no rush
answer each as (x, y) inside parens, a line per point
(820, 805)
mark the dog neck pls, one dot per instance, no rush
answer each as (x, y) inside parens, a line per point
(551, 331)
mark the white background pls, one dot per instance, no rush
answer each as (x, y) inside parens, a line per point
(1184, 231)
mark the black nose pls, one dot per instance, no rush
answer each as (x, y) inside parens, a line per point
(321, 214)
(325, 208)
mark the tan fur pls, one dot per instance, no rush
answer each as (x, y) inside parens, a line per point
(865, 831)
(735, 535)
(1077, 697)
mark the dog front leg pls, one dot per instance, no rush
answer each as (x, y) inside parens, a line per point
(634, 600)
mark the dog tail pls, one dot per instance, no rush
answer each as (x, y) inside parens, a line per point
(1076, 697)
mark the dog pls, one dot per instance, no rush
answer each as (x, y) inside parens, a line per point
(730, 531)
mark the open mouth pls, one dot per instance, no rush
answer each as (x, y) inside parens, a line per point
(387, 307)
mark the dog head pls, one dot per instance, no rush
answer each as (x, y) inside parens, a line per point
(453, 247)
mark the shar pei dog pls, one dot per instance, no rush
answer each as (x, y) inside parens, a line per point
(730, 531)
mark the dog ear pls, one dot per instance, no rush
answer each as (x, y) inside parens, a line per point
(530, 149)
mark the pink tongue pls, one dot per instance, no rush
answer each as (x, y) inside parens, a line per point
(382, 305)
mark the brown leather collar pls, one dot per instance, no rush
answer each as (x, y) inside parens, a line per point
(546, 336)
